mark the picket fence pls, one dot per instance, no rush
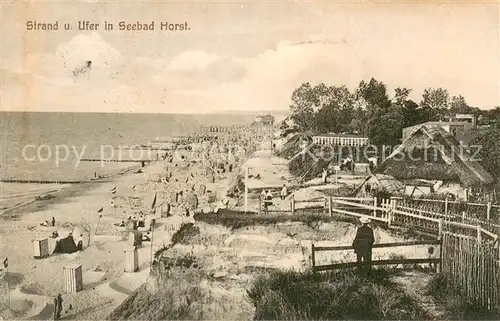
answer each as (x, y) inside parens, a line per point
(487, 212)
(468, 234)
(470, 252)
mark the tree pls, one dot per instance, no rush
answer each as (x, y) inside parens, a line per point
(491, 116)
(337, 111)
(322, 108)
(459, 106)
(303, 100)
(385, 126)
(401, 95)
(487, 144)
(374, 93)
(413, 114)
(435, 103)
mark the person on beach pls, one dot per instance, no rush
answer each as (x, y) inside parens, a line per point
(70, 237)
(80, 243)
(268, 200)
(269, 196)
(284, 192)
(53, 221)
(363, 245)
(58, 302)
(430, 253)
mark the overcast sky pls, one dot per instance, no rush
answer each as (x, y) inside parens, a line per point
(242, 56)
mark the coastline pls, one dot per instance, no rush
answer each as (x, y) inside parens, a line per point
(65, 191)
(77, 205)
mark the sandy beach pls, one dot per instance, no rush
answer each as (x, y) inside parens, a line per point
(100, 206)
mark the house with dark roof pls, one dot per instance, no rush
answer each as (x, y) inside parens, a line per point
(265, 120)
(432, 161)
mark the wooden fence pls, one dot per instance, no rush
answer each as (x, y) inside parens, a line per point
(469, 250)
(470, 253)
(482, 212)
(474, 268)
(343, 265)
(411, 213)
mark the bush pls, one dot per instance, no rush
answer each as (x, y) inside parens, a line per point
(338, 295)
(235, 220)
(185, 233)
(456, 305)
(170, 303)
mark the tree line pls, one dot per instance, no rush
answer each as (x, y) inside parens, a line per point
(371, 111)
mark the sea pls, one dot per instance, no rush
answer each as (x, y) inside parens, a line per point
(49, 146)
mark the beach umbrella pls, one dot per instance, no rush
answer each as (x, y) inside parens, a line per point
(100, 210)
(113, 190)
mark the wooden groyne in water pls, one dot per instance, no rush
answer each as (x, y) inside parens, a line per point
(144, 148)
(117, 160)
(37, 181)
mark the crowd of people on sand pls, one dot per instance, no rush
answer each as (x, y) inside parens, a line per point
(193, 162)
(190, 164)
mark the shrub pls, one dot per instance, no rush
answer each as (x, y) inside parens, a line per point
(442, 289)
(185, 233)
(338, 295)
(233, 219)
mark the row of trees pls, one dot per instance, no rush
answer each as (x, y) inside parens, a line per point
(370, 111)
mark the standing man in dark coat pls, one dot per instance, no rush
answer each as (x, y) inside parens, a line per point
(363, 244)
(58, 301)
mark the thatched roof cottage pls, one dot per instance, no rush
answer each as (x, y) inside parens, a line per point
(431, 160)
(378, 183)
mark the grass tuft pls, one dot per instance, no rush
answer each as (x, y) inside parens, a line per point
(457, 306)
(337, 295)
(235, 220)
(185, 233)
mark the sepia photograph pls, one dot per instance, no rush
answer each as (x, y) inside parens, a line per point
(249, 160)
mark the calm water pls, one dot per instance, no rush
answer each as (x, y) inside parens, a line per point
(31, 140)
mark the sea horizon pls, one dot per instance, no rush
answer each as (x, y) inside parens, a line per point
(49, 145)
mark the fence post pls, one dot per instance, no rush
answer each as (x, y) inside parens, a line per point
(330, 212)
(478, 238)
(313, 257)
(260, 204)
(440, 232)
(374, 205)
(389, 214)
(446, 205)
(439, 268)
(488, 211)
(463, 216)
(292, 204)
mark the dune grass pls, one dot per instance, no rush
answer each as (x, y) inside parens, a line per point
(457, 306)
(336, 295)
(235, 220)
(184, 234)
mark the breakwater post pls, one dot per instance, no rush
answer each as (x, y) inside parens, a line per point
(246, 189)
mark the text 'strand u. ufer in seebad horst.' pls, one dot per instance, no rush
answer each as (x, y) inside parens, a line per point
(86, 25)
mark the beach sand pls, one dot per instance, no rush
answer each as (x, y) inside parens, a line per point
(34, 283)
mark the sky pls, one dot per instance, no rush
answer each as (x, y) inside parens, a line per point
(241, 56)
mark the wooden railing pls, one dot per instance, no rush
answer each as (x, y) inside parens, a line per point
(343, 265)
(469, 253)
(480, 211)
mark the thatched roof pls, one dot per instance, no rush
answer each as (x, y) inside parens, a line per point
(306, 166)
(382, 182)
(293, 146)
(432, 153)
